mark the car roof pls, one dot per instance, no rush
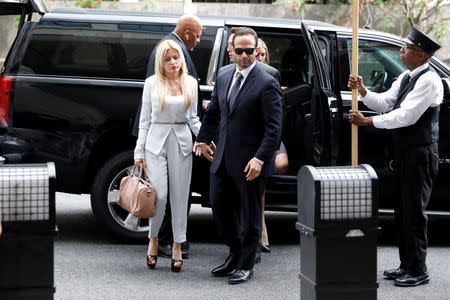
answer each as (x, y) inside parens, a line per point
(77, 14)
(123, 16)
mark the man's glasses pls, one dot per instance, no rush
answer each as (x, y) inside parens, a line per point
(408, 47)
(247, 51)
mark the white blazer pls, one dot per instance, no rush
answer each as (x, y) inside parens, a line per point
(155, 126)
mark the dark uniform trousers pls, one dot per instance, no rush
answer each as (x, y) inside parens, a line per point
(237, 212)
(416, 168)
(416, 165)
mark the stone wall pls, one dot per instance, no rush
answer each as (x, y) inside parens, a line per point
(327, 13)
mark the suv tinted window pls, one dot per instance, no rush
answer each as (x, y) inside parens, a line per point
(288, 53)
(379, 64)
(201, 54)
(102, 50)
(91, 50)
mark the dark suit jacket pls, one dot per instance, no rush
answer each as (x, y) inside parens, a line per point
(253, 126)
(271, 70)
(151, 71)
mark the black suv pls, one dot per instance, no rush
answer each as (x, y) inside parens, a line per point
(72, 82)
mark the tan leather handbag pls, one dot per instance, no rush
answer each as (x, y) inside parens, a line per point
(137, 195)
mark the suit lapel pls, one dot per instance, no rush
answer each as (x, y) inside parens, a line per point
(247, 84)
(223, 97)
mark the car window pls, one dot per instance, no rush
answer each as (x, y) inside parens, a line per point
(379, 63)
(91, 50)
(289, 54)
(201, 53)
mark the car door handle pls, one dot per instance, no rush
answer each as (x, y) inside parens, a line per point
(308, 117)
(369, 112)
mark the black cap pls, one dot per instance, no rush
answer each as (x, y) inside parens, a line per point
(421, 40)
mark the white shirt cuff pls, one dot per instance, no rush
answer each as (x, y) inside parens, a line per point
(260, 161)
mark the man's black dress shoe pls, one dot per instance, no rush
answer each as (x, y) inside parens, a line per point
(240, 276)
(227, 268)
(265, 248)
(409, 280)
(394, 273)
(166, 251)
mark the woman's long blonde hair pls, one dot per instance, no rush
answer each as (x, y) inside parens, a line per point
(187, 83)
(262, 44)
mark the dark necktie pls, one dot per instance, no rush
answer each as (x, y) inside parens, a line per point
(404, 83)
(403, 87)
(234, 90)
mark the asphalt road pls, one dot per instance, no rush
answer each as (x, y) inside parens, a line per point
(89, 264)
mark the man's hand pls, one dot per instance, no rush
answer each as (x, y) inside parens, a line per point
(357, 118)
(356, 82)
(253, 168)
(213, 146)
(207, 151)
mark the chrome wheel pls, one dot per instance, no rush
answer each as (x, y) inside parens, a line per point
(122, 217)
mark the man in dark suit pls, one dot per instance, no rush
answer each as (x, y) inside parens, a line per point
(245, 116)
(270, 70)
(187, 35)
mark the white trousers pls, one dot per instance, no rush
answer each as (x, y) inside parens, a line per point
(170, 169)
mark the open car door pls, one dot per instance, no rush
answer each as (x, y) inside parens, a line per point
(24, 8)
(319, 125)
(307, 123)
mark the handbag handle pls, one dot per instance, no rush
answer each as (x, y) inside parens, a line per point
(140, 172)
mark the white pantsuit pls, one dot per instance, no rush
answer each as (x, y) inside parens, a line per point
(165, 141)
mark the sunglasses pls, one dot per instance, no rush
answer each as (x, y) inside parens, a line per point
(247, 51)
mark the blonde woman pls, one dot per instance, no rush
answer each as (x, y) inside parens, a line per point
(263, 52)
(164, 144)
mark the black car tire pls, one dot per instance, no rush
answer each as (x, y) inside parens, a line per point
(110, 215)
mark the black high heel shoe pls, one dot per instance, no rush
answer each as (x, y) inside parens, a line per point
(176, 265)
(265, 248)
(151, 261)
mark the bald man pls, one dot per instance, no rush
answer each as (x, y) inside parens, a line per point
(186, 34)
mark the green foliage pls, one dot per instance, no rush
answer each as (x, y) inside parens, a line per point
(149, 5)
(88, 3)
(396, 16)
(440, 29)
(113, 4)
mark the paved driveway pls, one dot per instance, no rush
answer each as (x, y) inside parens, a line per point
(91, 265)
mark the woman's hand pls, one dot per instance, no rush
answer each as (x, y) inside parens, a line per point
(196, 149)
(140, 162)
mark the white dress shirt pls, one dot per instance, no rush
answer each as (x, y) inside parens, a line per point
(155, 125)
(244, 74)
(428, 92)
